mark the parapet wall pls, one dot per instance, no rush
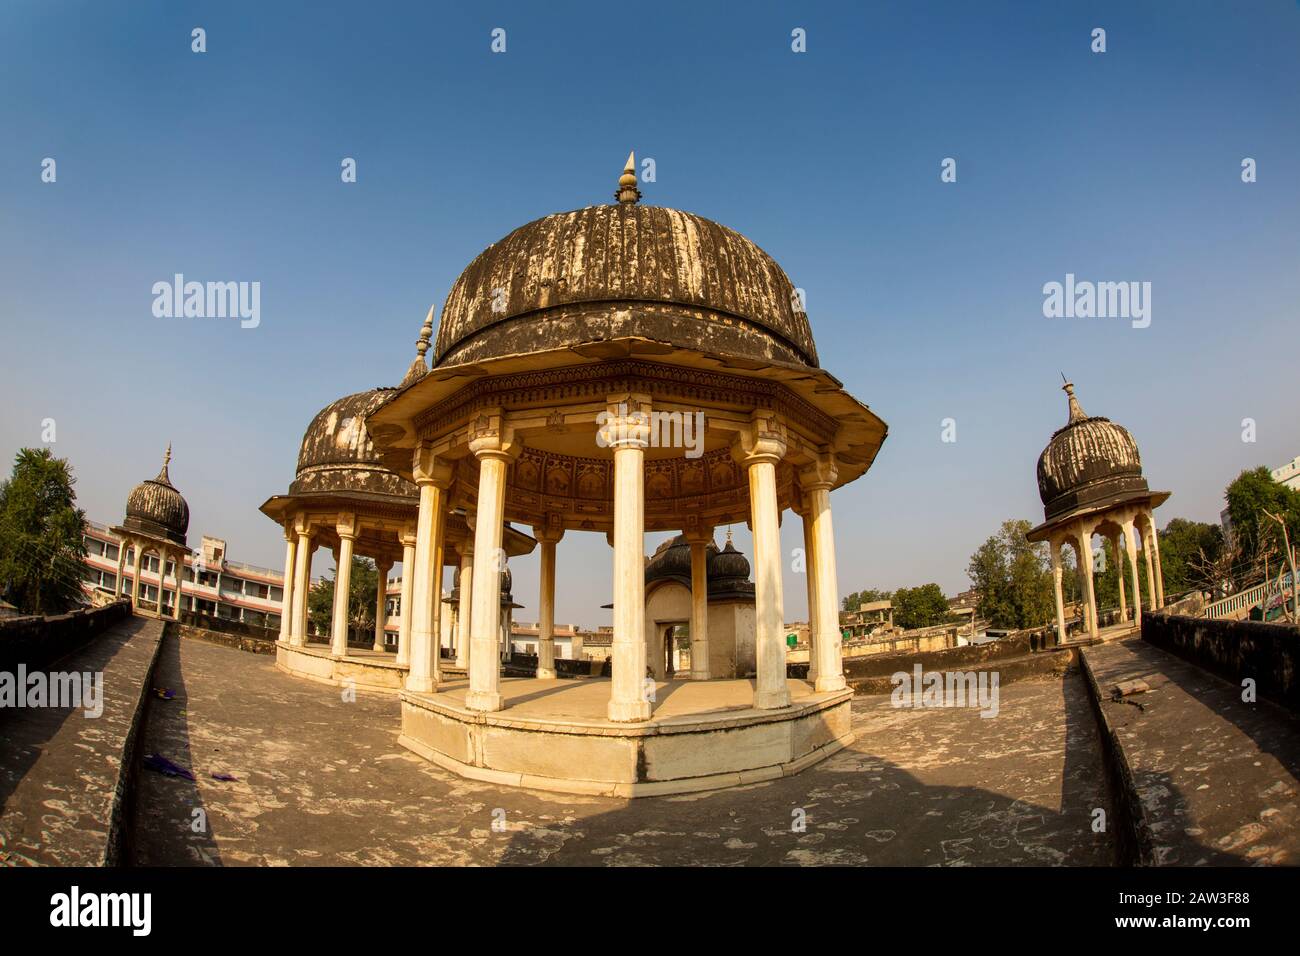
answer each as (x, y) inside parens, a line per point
(37, 642)
(1234, 650)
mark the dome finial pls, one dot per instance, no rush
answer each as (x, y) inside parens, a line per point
(628, 193)
(1076, 410)
(167, 460)
(418, 369)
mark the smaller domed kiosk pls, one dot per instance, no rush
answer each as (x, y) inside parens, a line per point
(1090, 482)
(157, 520)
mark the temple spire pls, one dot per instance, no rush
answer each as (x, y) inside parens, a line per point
(418, 369)
(628, 193)
(1076, 410)
(167, 460)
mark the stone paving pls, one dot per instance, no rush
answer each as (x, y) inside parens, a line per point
(320, 780)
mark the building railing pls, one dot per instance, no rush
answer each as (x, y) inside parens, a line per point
(1233, 603)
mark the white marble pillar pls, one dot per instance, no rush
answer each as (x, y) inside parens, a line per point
(1130, 548)
(432, 478)
(627, 431)
(830, 664)
(408, 580)
(763, 447)
(178, 565)
(1055, 545)
(1147, 549)
(381, 604)
(700, 603)
(493, 446)
(162, 579)
(810, 573)
(465, 608)
(347, 532)
(546, 605)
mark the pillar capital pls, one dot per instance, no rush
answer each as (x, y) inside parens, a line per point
(819, 475)
(346, 527)
(428, 469)
(762, 440)
(302, 525)
(492, 436)
(407, 536)
(625, 422)
(550, 531)
(696, 531)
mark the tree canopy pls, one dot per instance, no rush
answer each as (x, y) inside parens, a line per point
(362, 592)
(1013, 579)
(42, 544)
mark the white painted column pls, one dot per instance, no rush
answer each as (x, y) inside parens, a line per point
(162, 580)
(431, 477)
(763, 448)
(347, 531)
(1155, 554)
(1130, 548)
(301, 584)
(493, 451)
(439, 556)
(700, 604)
(408, 581)
(465, 612)
(1147, 548)
(1090, 594)
(546, 621)
(810, 572)
(1055, 545)
(381, 604)
(121, 566)
(830, 668)
(1119, 578)
(137, 558)
(627, 431)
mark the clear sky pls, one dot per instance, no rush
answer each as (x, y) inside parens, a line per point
(926, 298)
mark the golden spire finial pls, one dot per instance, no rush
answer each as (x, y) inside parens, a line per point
(1076, 410)
(628, 193)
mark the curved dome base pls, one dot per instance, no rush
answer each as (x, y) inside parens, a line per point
(553, 735)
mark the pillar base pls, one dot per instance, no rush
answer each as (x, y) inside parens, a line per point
(630, 711)
(700, 675)
(377, 646)
(421, 685)
(488, 701)
(772, 699)
(825, 685)
(546, 673)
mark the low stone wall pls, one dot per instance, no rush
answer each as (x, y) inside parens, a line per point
(525, 665)
(1234, 650)
(37, 642)
(215, 630)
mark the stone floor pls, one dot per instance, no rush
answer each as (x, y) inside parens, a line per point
(320, 780)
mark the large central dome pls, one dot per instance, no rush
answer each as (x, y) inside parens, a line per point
(609, 272)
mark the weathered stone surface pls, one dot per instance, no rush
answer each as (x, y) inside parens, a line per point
(1206, 779)
(941, 787)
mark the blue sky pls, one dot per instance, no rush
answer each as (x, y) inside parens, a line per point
(925, 297)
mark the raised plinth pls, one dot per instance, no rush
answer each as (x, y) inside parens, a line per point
(363, 669)
(553, 735)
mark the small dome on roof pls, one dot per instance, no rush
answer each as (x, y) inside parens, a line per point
(154, 507)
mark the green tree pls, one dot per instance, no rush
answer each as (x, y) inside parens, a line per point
(1012, 578)
(855, 600)
(362, 589)
(1185, 548)
(42, 548)
(1250, 495)
(923, 606)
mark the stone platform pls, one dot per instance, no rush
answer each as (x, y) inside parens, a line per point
(367, 670)
(553, 735)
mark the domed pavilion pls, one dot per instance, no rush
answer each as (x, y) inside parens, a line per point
(1090, 482)
(344, 498)
(621, 369)
(157, 520)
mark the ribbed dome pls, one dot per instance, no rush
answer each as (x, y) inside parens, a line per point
(337, 454)
(1091, 461)
(618, 271)
(728, 563)
(154, 507)
(727, 571)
